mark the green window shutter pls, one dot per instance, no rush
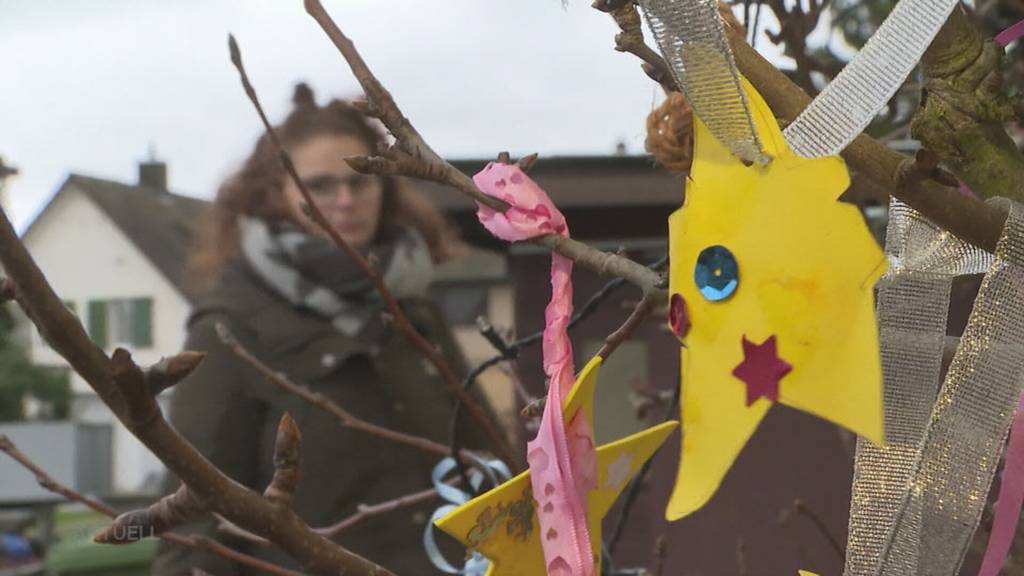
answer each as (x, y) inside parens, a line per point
(98, 322)
(142, 317)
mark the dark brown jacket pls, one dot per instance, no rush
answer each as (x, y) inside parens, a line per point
(231, 413)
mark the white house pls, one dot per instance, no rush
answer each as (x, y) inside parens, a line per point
(114, 253)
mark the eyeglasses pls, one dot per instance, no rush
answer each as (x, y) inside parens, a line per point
(325, 187)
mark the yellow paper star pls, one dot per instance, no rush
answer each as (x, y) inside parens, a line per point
(797, 326)
(502, 525)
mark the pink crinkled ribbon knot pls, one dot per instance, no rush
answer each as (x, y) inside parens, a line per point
(563, 461)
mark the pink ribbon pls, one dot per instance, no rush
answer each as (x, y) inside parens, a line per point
(563, 461)
(1010, 34)
(1011, 498)
(1011, 491)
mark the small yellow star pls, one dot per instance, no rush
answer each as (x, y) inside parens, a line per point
(502, 524)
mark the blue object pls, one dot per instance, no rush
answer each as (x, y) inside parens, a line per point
(716, 273)
(492, 471)
(15, 547)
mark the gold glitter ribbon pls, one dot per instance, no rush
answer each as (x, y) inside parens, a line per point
(919, 520)
(913, 300)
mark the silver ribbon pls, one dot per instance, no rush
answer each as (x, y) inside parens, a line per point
(919, 518)
(493, 471)
(692, 39)
(852, 99)
(913, 299)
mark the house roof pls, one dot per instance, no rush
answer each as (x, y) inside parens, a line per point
(580, 181)
(157, 221)
(160, 223)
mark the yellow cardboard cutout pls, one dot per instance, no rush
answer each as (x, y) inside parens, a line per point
(502, 525)
(807, 265)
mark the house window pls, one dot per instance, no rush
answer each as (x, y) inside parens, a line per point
(123, 321)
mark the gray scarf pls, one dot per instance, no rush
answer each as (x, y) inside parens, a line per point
(311, 272)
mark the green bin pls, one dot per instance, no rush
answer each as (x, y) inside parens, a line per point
(75, 554)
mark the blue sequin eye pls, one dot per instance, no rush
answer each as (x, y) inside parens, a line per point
(716, 273)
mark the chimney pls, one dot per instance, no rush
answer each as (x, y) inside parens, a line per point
(153, 174)
(6, 171)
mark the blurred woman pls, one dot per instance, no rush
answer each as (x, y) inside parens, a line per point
(301, 305)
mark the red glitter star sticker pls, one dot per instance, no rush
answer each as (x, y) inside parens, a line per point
(761, 369)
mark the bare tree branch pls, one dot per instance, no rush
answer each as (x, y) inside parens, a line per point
(794, 26)
(169, 371)
(366, 511)
(363, 512)
(343, 416)
(631, 40)
(287, 462)
(965, 109)
(48, 483)
(640, 313)
(166, 514)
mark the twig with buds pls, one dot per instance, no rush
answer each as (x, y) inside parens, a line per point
(343, 416)
(47, 482)
(631, 39)
(166, 514)
(363, 511)
(636, 318)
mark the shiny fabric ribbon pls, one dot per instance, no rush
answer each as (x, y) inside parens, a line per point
(493, 471)
(957, 456)
(852, 99)
(913, 300)
(692, 39)
(1010, 34)
(562, 458)
(1011, 491)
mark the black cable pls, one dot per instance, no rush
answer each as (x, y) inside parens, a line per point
(511, 352)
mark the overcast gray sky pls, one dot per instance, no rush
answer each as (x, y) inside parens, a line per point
(89, 86)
